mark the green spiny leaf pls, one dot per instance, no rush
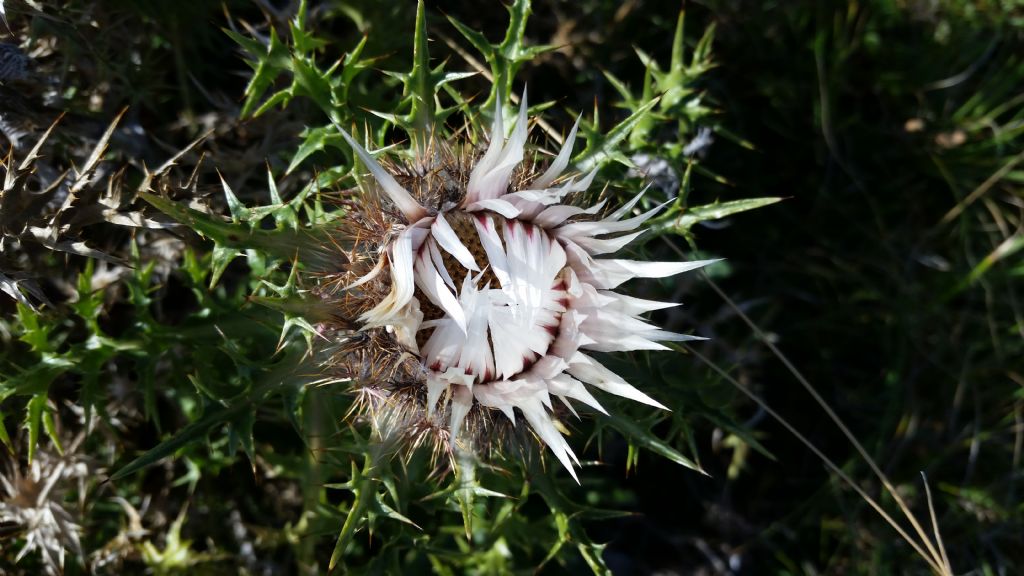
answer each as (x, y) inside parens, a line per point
(33, 422)
(603, 148)
(718, 210)
(643, 438)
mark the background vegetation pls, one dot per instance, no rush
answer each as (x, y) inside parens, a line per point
(890, 275)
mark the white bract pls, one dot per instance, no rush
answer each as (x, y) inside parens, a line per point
(515, 290)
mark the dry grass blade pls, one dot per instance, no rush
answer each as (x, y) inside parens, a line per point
(936, 567)
(935, 524)
(933, 557)
(1006, 248)
(933, 553)
(982, 189)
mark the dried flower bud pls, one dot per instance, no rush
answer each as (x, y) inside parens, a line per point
(32, 506)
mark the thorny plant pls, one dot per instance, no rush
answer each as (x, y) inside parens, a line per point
(451, 290)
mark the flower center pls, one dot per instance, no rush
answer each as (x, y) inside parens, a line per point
(492, 292)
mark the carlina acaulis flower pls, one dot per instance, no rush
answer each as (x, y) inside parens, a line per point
(497, 285)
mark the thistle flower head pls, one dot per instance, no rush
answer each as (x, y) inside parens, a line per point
(32, 505)
(498, 286)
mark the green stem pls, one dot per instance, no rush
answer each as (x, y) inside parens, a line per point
(313, 489)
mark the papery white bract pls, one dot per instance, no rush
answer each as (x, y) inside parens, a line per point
(505, 296)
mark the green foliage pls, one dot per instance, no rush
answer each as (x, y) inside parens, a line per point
(159, 327)
(505, 59)
(203, 377)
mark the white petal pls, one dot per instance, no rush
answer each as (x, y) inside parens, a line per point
(593, 373)
(583, 184)
(560, 161)
(405, 324)
(491, 242)
(476, 357)
(462, 401)
(498, 205)
(569, 405)
(628, 206)
(666, 336)
(435, 387)
(512, 154)
(634, 306)
(555, 215)
(607, 245)
(490, 176)
(587, 297)
(644, 269)
(488, 160)
(438, 260)
(515, 341)
(608, 225)
(449, 240)
(402, 283)
(609, 273)
(400, 196)
(549, 367)
(625, 343)
(546, 197)
(433, 285)
(565, 385)
(490, 395)
(451, 346)
(534, 412)
(629, 341)
(564, 346)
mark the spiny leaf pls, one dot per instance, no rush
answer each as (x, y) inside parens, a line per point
(505, 58)
(291, 369)
(46, 238)
(193, 432)
(707, 212)
(601, 148)
(33, 154)
(51, 427)
(238, 210)
(645, 439)
(36, 335)
(16, 289)
(363, 487)
(240, 435)
(422, 91)
(33, 422)
(268, 62)
(82, 177)
(312, 247)
(315, 140)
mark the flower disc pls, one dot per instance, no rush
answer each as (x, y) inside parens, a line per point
(496, 321)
